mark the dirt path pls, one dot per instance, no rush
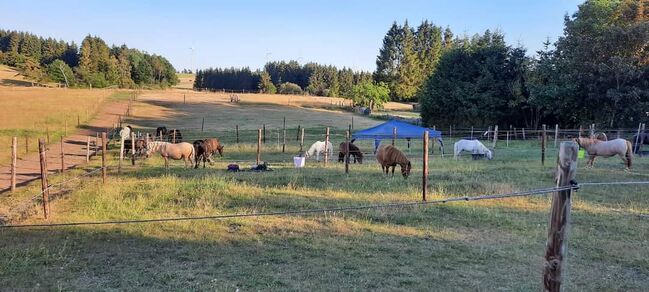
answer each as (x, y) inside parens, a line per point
(74, 146)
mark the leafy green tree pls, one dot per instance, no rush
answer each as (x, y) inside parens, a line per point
(59, 71)
(289, 88)
(266, 84)
(371, 94)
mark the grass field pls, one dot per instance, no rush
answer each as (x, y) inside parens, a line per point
(485, 245)
(32, 111)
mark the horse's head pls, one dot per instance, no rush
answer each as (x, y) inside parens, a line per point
(220, 149)
(359, 158)
(405, 169)
(489, 154)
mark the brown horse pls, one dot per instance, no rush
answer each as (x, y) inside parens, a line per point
(353, 151)
(388, 155)
(595, 148)
(205, 149)
(183, 150)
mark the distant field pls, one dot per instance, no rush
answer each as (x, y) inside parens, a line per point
(31, 111)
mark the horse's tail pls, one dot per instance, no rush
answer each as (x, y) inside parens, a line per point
(629, 154)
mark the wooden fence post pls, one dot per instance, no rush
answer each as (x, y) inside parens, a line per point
(103, 157)
(636, 147)
(14, 154)
(78, 121)
(42, 150)
(507, 138)
(237, 131)
(394, 135)
(284, 136)
(543, 139)
(173, 135)
(62, 157)
(326, 150)
(523, 129)
(555, 249)
(258, 145)
(96, 143)
(87, 149)
(184, 99)
(301, 139)
(592, 129)
(471, 132)
(132, 148)
(346, 157)
(424, 177)
(297, 135)
(26, 144)
(581, 131)
(203, 125)
(495, 136)
(556, 134)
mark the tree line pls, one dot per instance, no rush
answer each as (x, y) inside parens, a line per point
(284, 77)
(94, 64)
(597, 72)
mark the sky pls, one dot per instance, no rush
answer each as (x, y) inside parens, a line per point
(202, 34)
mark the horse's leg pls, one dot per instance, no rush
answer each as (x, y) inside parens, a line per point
(166, 162)
(393, 167)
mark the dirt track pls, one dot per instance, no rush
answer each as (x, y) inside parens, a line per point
(74, 146)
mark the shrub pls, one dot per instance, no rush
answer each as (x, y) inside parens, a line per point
(289, 88)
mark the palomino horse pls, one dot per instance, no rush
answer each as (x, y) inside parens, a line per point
(183, 150)
(388, 155)
(318, 148)
(595, 148)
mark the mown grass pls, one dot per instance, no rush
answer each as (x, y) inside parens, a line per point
(485, 245)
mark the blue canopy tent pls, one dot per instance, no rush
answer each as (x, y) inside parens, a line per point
(404, 131)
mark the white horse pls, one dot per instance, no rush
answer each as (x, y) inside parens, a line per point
(125, 133)
(473, 146)
(318, 148)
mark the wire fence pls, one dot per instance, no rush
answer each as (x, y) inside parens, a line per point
(532, 192)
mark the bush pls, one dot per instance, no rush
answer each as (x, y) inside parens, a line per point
(56, 69)
(289, 88)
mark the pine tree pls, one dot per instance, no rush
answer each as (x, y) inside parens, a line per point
(387, 62)
(448, 38)
(409, 77)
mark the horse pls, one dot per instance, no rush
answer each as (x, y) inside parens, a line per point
(600, 136)
(205, 148)
(595, 148)
(160, 133)
(637, 141)
(178, 136)
(125, 133)
(388, 155)
(140, 144)
(473, 146)
(353, 151)
(319, 148)
(183, 150)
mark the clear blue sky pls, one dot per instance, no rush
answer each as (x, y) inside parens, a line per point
(249, 33)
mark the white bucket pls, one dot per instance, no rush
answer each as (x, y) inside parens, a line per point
(299, 161)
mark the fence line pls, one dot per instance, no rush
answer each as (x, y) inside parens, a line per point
(342, 209)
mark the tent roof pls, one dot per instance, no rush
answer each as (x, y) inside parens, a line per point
(404, 130)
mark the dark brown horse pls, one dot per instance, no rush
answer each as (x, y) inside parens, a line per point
(140, 145)
(353, 151)
(204, 150)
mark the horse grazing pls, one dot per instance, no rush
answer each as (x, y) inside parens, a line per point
(205, 148)
(353, 151)
(318, 148)
(174, 134)
(161, 133)
(474, 146)
(595, 148)
(638, 141)
(184, 151)
(388, 155)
